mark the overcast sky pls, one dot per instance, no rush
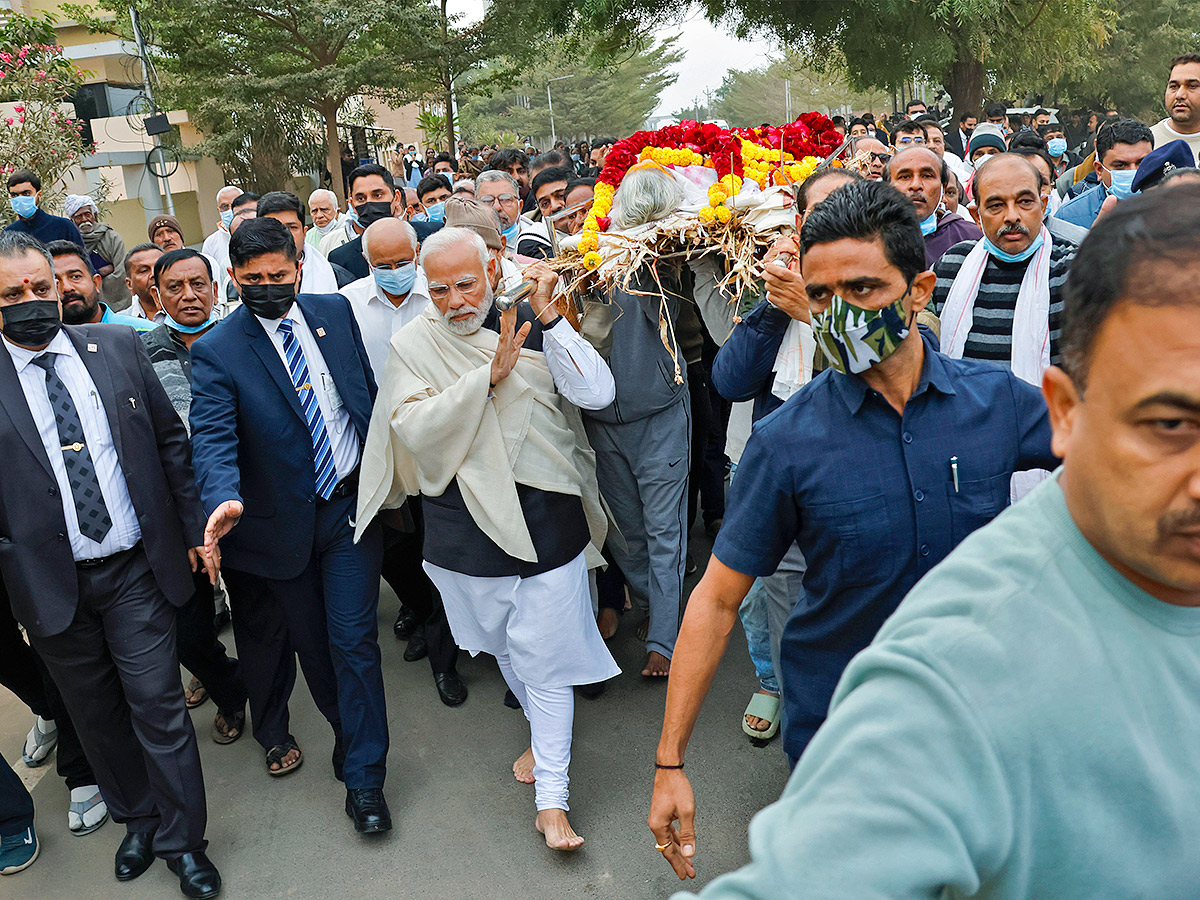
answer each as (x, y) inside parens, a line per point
(709, 52)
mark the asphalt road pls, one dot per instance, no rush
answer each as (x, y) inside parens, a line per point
(464, 826)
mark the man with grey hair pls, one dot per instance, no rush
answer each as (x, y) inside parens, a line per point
(479, 413)
(323, 207)
(501, 191)
(643, 438)
(216, 245)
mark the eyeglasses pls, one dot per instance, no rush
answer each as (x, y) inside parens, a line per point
(909, 139)
(468, 285)
(884, 158)
(499, 199)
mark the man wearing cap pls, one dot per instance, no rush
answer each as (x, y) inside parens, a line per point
(1160, 163)
(391, 296)
(986, 140)
(485, 221)
(166, 231)
(105, 247)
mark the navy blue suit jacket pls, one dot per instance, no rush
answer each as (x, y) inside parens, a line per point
(250, 441)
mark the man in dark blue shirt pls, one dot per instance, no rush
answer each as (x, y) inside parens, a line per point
(877, 468)
(25, 196)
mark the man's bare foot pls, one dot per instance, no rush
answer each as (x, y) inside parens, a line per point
(755, 722)
(607, 622)
(643, 629)
(523, 768)
(657, 665)
(558, 831)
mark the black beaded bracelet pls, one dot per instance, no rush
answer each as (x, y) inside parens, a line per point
(659, 765)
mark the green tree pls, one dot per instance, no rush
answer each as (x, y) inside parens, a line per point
(39, 132)
(597, 99)
(259, 55)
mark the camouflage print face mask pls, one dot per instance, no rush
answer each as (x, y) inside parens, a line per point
(854, 339)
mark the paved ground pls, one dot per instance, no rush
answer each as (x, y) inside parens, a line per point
(464, 827)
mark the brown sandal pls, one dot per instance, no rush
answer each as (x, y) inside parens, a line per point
(194, 694)
(276, 754)
(226, 731)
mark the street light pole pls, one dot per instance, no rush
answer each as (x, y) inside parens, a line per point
(550, 103)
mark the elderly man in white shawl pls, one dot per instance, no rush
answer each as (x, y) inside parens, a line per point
(478, 412)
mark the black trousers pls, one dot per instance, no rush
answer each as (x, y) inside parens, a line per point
(203, 654)
(118, 670)
(23, 672)
(16, 806)
(403, 573)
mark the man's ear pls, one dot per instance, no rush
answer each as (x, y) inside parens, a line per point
(1063, 399)
(922, 291)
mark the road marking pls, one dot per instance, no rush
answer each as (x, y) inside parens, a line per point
(31, 776)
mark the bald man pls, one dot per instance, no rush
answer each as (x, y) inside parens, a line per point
(391, 296)
(323, 207)
(216, 245)
(879, 156)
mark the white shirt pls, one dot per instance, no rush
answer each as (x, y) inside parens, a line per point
(216, 245)
(316, 274)
(579, 373)
(125, 531)
(379, 319)
(343, 438)
(957, 166)
(1164, 132)
(135, 310)
(337, 237)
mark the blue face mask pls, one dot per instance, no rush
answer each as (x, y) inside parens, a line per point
(227, 218)
(1056, 146)
(510, 234)
(436, 211)
(352, 214)
(397, 282)
(190, 329)
(929, 226)
(1013, 257)
(24, 206)
(1122, 182)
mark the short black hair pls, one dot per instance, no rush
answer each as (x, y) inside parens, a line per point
(601, 143)
(1027, 138)
(838, 120)
(1050, 128)
(503, 160)
(167, 260)
(24, 176)
(551, 158)
(1184, 58)
(818, 176)
(446, 158)
(1152, 229)
(278, 202)
(915, 101)
(70, 248)
(1028, 150)
(858, 121)
(1041, 111)
(996, 109)
(258, 237)
(865, 211)
(1120, 131)
(140, 248)
(244, 200)
(549, 176)
(431, 183)
(581, 182)
(368, 169)
(967, 115)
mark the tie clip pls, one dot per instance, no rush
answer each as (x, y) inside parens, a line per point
(77, 446)
(307, 386)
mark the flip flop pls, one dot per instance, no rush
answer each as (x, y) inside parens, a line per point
(235, 723)
(78, 815)
(762, 706)
(278, 752)
(194, 694)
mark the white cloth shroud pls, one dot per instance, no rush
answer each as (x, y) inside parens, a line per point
(1031, 327)
(794, 361)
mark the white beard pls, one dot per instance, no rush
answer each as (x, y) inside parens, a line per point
(473, 324)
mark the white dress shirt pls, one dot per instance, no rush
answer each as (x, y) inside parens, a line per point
(579, 372)
(343, 438)
(316, 274)
(135, 310)
(125, 531)
(379, 318)
(216, 245)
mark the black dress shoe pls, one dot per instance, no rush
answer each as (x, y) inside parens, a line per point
(339, 757)
(590, 691)
(134, 855)
(406, 624)
(511, 701)
(198, 877)
(450, 688)
(369, 810)
(418, 647)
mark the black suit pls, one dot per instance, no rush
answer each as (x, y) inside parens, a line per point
(107, 631)
(954, 142)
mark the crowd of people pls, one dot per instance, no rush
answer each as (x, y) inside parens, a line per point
(966, 317)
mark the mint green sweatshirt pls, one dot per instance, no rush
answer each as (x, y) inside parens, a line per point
(1026, 725)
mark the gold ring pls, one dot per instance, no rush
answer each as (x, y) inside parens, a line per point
(663, 848)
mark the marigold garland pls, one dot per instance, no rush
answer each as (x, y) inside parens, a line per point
(770, 155)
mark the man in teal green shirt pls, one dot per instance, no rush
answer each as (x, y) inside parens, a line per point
(79, 290)
(1026, 724)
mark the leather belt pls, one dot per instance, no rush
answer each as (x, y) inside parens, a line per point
(346, 486)
(98, 561)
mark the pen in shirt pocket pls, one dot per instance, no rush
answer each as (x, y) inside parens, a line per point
(954, 471)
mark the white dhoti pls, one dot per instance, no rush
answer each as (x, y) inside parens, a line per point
(544, 637)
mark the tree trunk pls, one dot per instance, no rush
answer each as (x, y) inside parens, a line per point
(333, 150)
(448, 83)
(964, 82)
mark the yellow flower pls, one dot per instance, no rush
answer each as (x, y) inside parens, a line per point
(723, 214)
(591, 260)
(589, 242)
(708, 214)
(717, 194)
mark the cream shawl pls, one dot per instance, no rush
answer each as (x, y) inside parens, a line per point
(433, 422)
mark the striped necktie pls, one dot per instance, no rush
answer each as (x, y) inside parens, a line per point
(326, 471)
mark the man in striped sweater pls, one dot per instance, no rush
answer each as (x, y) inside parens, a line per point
(1000, 298)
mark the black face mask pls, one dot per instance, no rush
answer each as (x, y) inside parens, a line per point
(33, 323)
(268, 301)
(373, 211)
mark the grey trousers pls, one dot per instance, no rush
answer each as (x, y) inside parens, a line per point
(784, 590)
(642, 470)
